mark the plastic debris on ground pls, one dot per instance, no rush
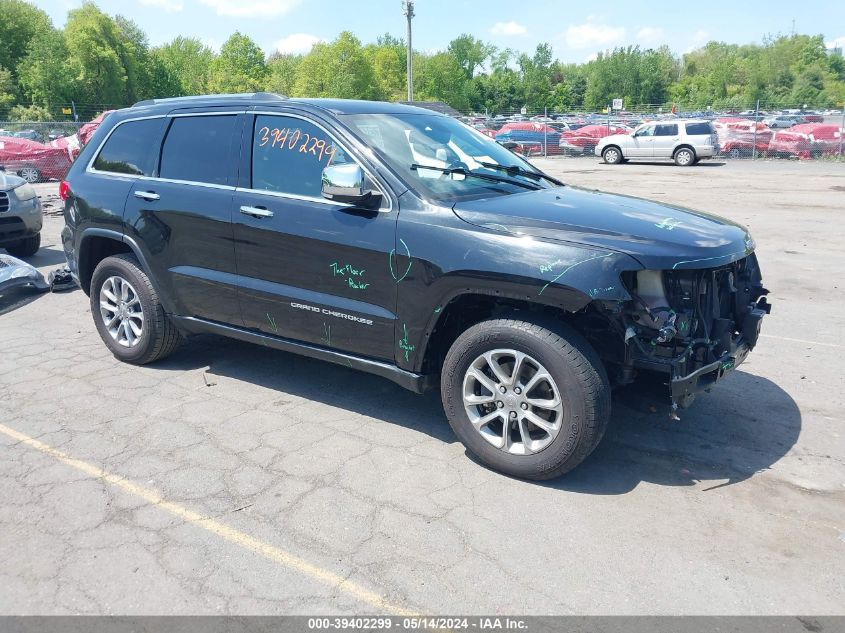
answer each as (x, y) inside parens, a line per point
(15, 273)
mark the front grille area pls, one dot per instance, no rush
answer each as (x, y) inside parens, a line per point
(11, 228)
(4, 201)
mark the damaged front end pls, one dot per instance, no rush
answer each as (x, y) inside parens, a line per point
(691, 325)
(694, 325)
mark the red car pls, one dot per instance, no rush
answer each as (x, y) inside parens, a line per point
(584, 139)
(808, 140)
(33, 161)
(737, 137)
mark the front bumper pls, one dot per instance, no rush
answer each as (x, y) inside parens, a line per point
(684, 388)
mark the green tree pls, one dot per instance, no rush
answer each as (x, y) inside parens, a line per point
(470, 53)
(189, 61)
(439, 77)
(8, 90)
(240, 67)
(388, 58)
(20, 23)
(46, 74)
(337, 69)
(282, 75)
(30, 113)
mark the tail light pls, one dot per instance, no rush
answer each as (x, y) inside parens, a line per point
(64, 189)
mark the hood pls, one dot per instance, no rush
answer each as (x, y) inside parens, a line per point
(9, 181)
(659, 236)
(615, 137)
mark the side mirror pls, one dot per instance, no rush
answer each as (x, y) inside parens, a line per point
(345, 183)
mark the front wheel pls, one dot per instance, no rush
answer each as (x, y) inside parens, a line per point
(128, 314)
(30, 174)
(26, 247)
(612, 155)
(526, 400)
(685, 157)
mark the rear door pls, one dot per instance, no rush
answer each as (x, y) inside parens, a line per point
(665, 139)
(182, 216)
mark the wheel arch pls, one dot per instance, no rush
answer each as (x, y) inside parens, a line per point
(684, 146)
(96, 244)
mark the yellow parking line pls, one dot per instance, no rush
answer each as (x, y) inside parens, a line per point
(270, 552)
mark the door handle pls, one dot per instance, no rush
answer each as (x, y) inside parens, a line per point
(147, 195)
(257, 212)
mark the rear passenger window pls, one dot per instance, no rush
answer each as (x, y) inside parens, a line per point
(667, 129)
(289, 154)
(128, 149)
(698, 129)
(196, 149)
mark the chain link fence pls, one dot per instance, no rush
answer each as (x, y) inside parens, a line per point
(797, 132)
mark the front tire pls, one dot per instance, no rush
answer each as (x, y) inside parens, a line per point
(128, 314)
(26, 247)
(30, 174)
(612, 155)
(526, 400)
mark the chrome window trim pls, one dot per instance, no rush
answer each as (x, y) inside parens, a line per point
(90, 167)
(342, 145)
(174, 181)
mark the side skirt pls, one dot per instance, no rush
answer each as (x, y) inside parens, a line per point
(418, 383)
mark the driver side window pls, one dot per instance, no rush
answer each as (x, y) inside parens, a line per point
(289, 154)
(646, 131)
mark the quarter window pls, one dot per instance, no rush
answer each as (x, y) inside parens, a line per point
(128, 149)
(667, 129)
(289, 154)
(699, 129)
(196, 149)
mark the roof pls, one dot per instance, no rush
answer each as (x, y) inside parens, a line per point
(337, 106)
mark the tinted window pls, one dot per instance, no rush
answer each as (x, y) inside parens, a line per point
(289, 154)
(696, 129)
(667, 129)
(129, 150)
(197, 148)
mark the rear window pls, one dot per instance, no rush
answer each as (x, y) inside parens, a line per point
(698, 129)
(128, 149)
(196, 149)
(667, 129)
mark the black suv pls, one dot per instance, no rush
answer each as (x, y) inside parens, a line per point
(404, 243)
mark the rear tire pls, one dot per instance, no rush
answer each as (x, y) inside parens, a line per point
(566, 434)
(128, 314)
(30, 174)
(685, 157)
(26, 247)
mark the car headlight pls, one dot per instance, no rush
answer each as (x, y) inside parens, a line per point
(25, 192)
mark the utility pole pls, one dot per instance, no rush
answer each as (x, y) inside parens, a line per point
(408, 10)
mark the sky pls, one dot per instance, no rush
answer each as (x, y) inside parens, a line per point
(576, 31)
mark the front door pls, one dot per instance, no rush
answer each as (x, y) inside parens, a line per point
(310, 269)
(641, 143)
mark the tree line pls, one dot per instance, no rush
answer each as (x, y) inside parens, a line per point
(103, 60)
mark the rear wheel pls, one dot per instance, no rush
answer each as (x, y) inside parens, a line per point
(612, 155)
(25, 247)
(30, 174)
(524, 399)
(684, 157)
(128, 314)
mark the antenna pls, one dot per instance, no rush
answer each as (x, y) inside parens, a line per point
(408, 10)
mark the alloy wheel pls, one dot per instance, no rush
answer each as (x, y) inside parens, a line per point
(121, 311)
(512, 401)
(30, 174)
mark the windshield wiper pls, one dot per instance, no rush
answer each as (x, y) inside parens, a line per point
(514, 170)
(467, 172)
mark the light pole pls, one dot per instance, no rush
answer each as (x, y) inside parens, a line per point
(408, 9)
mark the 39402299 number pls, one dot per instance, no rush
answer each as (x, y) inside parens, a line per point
(288, 139)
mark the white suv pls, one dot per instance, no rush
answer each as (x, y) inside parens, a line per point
(684, 141)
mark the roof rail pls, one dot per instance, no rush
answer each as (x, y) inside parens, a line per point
(255, 96)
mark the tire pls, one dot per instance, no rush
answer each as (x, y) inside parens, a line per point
(685, 157)
(26, 247)
(612, 155)
(30, 174)
(144, 339)
(736, 153)
(577, 377)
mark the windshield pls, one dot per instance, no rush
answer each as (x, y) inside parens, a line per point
(464, 163)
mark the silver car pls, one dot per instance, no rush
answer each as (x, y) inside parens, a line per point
(20, 216)
(686, 141)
